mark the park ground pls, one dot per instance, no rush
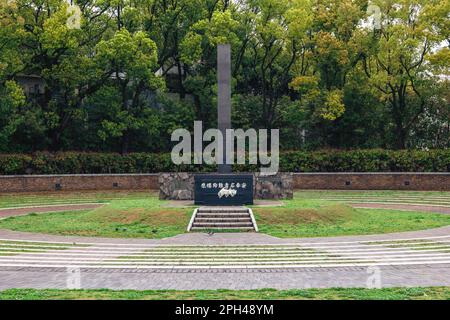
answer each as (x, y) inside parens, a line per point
(310, 214)
(143, 215)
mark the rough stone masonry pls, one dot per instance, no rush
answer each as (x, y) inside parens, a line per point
(180, 186)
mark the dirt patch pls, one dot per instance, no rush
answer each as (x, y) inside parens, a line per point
(165, 217)
(152, 217)
(327, 214)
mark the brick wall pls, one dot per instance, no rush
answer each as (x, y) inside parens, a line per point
(30, 183)
(374, 181)
(350, 181)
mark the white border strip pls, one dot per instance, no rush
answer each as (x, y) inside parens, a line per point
(225, 260)
(194, 214)
(62, 253)
(250, 211)
(230, 266)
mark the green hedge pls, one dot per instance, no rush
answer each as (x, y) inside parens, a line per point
(293, 161)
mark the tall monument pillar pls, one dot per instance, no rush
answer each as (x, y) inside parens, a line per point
(224, 98)
(223, 188)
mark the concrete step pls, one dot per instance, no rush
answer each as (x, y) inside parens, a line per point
(223, 210)
(223, 219)
(222, 215)
(219, 218)
(222, 228)
(222, 224)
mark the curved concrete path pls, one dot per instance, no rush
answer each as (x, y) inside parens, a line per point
(228, 261)
(225, 238)
(225, 260)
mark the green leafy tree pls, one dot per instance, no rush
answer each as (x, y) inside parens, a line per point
(397, 59)
(132, 60)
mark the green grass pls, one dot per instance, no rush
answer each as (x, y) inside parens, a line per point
(12, 247)
(415, 244)
(127, 218)
(36, 243)
(10, 200)
(143, 215)
(427, 293)
(338, 219)
(404, 197)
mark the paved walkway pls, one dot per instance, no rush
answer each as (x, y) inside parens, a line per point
(232, 261)
(225, 260)
(226, 238)
(141, 279)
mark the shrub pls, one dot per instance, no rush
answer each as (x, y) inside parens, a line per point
(376, 160)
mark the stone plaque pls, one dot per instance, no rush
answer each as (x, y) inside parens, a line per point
(223, 189)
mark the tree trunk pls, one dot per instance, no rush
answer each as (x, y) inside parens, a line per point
(400, 142)
(182, 92)
(125, 142)
(398, 116)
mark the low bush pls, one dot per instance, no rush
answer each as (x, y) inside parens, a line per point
(376, 160)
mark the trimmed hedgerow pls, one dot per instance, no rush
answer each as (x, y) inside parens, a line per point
(376, 160)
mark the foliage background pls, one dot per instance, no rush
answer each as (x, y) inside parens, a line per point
(376, 160)
(136, 70)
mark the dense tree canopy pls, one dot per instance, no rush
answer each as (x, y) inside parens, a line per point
(120, 75)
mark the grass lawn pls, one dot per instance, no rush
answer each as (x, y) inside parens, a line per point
(11, 200)
(427, 293)
(386, 196)
(340, 219)
(142, 215)
(126, 218)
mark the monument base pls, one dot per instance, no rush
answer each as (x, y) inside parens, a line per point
(181, 185)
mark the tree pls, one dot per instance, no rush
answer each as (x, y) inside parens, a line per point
(132, 60)
(59, 55)
(316, 69)
(275, 43)
(397, 58)
(167, 23)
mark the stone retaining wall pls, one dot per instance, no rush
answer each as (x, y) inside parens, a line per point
(176, 186)
(279, 186)
(373, 181)
(180, 186)
(339, 181)
(32, 183)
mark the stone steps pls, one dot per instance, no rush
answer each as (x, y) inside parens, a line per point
(226, 224)
(222, 218)
(222, 215)
(222, 228)
(222, 210)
